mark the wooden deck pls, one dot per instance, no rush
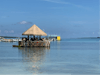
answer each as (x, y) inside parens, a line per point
(33, 44)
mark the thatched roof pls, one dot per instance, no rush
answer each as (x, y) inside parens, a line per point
(35, 30)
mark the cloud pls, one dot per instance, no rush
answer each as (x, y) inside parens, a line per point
(25, 22)
(4, 16)
(11, 31)
(55, 1)
(6, 31)
(13, 24)
(78, 22)
(19, 12)
(61, 2)
(1, 25)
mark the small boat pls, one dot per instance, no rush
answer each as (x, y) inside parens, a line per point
(16, 40)
(10, 40)
(1, 37)
(53, 38)
(7, 40)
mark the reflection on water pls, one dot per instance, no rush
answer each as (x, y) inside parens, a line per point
(69, 57)
(33, 57)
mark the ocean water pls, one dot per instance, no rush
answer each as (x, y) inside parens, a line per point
(65, 57)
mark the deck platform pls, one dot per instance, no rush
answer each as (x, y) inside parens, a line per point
(33, 44)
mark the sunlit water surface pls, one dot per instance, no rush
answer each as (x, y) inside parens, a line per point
(68, 57)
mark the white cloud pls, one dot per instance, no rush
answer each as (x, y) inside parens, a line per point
(61, 2)
(56, 1)
(19, 12)
(6, 31)
(4, 16)
(77, 22)
(25, 22)
(11, 31)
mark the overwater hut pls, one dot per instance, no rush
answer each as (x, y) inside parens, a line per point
(34, 31)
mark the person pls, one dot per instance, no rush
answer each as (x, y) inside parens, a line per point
(32, 39)
(36, 39)
(41, 39)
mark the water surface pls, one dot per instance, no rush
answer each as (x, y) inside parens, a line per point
(69, 57)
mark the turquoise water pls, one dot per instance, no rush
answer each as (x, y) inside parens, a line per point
(66, 57)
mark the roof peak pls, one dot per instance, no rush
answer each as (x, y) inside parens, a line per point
(34, 30)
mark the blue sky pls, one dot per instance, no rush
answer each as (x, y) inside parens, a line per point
(67, 18)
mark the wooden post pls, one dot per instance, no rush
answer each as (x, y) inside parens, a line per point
(39, 37)
(28, 37)
(33, 36)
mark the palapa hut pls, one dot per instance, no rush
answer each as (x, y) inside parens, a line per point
(34, 31)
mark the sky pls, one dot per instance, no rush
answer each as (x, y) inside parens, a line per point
(67, 18)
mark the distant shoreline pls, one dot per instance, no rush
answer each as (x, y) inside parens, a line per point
(88, 37)
(10, 37)
(63, 38)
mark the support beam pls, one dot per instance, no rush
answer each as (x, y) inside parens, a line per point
(33, 36)
(28, 37)
(39, 37)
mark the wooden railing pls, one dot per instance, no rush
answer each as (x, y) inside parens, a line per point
(34, 43)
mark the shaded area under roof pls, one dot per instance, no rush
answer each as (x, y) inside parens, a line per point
(34, 30)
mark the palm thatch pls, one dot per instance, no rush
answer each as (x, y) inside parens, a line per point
(34, 30)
